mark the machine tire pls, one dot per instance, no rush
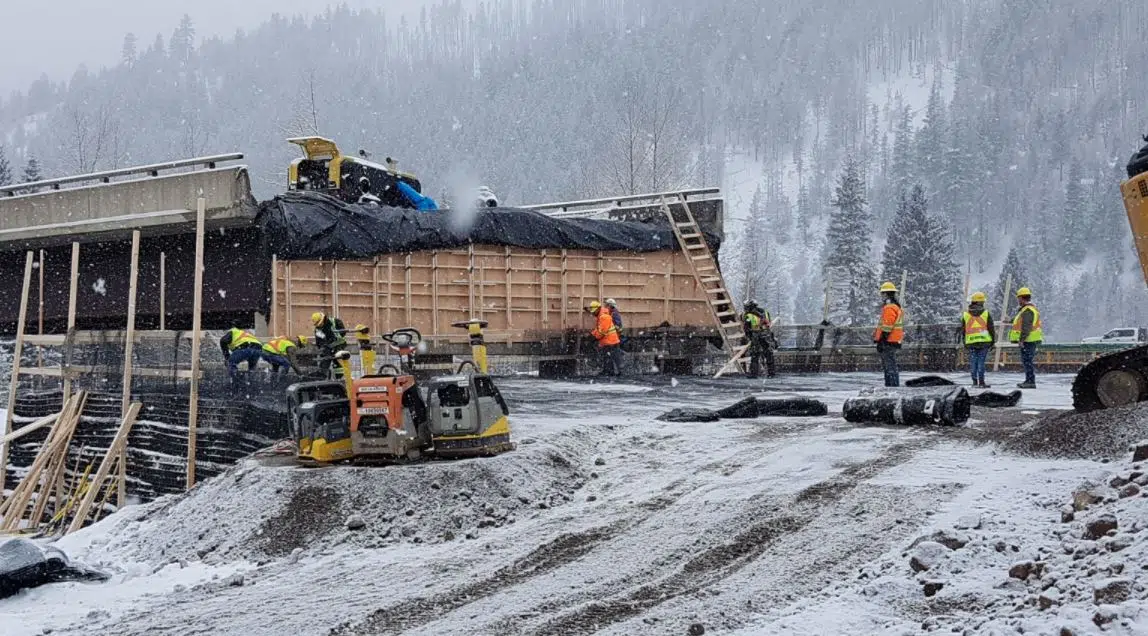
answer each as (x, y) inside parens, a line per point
(1114, 379)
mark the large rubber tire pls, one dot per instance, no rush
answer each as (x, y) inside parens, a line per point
(1114, 379)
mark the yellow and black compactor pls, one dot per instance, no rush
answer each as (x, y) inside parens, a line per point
(323, 168)
(386, 415)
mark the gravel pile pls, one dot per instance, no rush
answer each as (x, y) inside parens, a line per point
(1104, 434)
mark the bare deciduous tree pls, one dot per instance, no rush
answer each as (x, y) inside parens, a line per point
(87, 134)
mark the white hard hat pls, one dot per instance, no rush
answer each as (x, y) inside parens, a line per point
(611, 302)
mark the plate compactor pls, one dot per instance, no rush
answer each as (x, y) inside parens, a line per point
(385, 415)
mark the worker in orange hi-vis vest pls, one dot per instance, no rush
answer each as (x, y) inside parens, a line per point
(889, 333)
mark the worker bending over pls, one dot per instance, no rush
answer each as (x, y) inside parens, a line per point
(979, 335)
(280, 352)
(330, 337)
(756, 323)
(609, 343)
(1027, 332)
(889, 333)
(238, 347)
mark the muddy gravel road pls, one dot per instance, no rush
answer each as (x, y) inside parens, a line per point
(604, 521)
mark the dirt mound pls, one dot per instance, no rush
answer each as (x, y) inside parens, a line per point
(260, 512)
(1097, 435)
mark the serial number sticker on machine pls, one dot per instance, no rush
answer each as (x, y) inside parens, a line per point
(374, 410)
(373, 389)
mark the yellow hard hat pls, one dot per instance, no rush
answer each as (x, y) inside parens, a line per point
(979, 297)
(887, 286)
(595, 305)
(1024, 291)
(301, 341)
(317, 318)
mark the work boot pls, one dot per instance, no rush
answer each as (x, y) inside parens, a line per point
(984, 386)
(1026, 385)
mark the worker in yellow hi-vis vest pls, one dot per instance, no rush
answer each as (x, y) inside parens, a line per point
(1028, 333)
(978, 333)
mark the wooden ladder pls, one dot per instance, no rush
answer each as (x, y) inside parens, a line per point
(708, 276)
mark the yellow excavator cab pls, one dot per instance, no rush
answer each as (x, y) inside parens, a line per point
(323, 168)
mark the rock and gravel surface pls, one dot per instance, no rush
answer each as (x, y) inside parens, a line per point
(607, 521)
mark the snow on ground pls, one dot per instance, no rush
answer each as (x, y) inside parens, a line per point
(607, 521)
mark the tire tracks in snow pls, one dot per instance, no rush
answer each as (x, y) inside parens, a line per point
(720, 561)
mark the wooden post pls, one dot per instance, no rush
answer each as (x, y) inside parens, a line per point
(669, 290)
(470, 283)
(163, 289)
(433, 292)
(545, 297)
(565, 296)
(73, 289)
(288, 308)
(375, 296)
(1001, 330)
(510, 292)
(409, 303)
(196, 336)
(334, 288)
(390, 279)
(601, 280)
(129, 346)
(273, 319)
(16, 353)
(40, 328)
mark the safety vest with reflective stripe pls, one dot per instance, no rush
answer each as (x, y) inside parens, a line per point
(278, 346)
(240, 337)
(1036, 335)
(976, 328)
(892, 322)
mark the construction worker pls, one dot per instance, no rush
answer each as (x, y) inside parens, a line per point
(279, 352)
(609, 343)
(756, 323)
(330, 337)
(889, 333)
(239, 346)
(1026, 331)
(616, 316)
(979, 335)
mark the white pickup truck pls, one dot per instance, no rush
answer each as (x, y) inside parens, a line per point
(1121, 335)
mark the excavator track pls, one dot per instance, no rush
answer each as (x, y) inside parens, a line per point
(1113, 379)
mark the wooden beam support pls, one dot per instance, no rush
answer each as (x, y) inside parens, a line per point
(163, 290)
(73, 290)
(197, 336)
(30, 428)
(115, 452)
(129, 347)
(17, 352)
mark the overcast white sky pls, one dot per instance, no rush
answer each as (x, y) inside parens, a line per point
(91, 32)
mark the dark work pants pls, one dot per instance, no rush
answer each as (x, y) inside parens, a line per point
(250, 355)
(611, 356)
(977, 358)
(889, 364)
(277, 362)
(1028, 359)
(760, 348)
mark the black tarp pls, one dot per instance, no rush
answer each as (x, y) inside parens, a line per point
(311, 225)
(26, 564)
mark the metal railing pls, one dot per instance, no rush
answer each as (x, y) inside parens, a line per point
(591, 207)
(153, 170)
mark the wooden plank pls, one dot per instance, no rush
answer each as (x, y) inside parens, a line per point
(76, 370)
(565, 319)
(121, 495)
(669, 282)
(289, 307)
(509, 288)
(73, 290)
(163, 290)
(375, 296)
(273, 323)
(17, 351)
(196, 337)
(470, 313)
(601, 279)
(114, 454)
(434, 294)
(334, 288)
(29, 428)
(545, 295)
(409, 302)
(14, 506)
(57, 462)
(40, 328)
(390, 279)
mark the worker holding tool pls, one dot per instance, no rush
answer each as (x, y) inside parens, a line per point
(1026, 331)
(330, 337)
(609, 343)
(756, 323)
(279, 352)
(979, 336)
(238, 347)
(889, 333)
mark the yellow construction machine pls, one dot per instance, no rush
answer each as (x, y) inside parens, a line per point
(323, 168)
(385, 415)
(1121, 377)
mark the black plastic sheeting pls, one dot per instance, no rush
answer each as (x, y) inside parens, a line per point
(987, 399)
(749, 408)
(946, 406)
(26, 564)
(311, 225)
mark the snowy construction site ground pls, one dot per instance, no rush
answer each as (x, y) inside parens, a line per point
(606, 521)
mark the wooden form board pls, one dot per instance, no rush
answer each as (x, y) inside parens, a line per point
(518, 291)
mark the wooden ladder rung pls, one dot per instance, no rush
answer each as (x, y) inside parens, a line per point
(716, 290)
(726, 313)
(687, 225)
(711, 279)
(700, 257)
(691, 236)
